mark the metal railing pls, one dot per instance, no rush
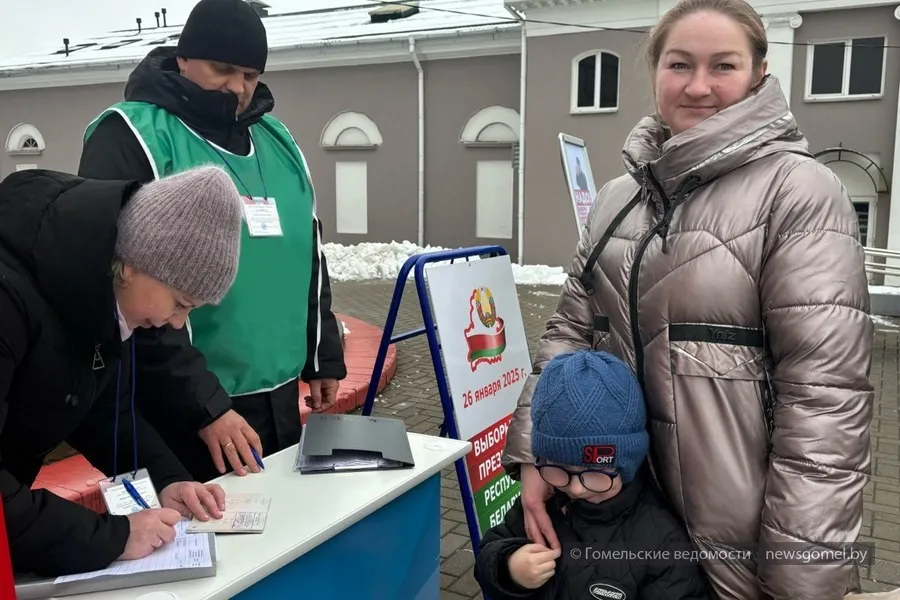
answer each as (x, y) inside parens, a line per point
(878, 268)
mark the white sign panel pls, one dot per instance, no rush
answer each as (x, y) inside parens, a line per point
(483, 341)
(485, 352)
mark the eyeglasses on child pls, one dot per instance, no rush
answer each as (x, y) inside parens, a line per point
(594, 480)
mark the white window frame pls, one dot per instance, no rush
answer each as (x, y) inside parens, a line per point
(16, 140)
(872, 222)
(843, 95)
(575, 109)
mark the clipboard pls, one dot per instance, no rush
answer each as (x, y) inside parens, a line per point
(335, 443)
(31, 587)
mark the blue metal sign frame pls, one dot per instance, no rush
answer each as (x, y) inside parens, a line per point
(448, 428)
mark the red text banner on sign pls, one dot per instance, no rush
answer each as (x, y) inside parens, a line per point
(483, 461)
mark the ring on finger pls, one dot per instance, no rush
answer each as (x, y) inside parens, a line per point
(228, 444)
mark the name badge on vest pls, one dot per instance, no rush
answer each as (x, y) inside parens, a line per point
(262, 216)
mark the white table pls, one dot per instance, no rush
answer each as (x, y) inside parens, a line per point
(369, 535)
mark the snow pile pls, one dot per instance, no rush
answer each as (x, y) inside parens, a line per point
(884, 290)
(370, 260)
(538, 275)
(373, 260)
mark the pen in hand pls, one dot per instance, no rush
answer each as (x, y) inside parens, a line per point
(258, 459)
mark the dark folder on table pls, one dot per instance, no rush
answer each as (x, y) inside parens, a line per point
(335, 443)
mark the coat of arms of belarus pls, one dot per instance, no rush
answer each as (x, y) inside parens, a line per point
(485, 335)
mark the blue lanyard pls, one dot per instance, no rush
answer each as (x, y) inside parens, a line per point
(133, 418)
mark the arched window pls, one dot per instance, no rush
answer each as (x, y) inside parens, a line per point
(351, 130)
(24, 139)
(491, 126)
(595, 82)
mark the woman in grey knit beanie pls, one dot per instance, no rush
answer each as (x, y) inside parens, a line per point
(177, 247)
(65, 373)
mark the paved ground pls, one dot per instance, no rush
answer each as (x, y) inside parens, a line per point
(413, 396)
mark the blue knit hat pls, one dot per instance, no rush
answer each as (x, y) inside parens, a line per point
(588, 409)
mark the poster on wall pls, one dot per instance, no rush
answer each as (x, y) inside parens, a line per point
(485, 352)
(579, 178)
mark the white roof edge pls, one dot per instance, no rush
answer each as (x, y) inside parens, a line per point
(475, 41)
(115, 63)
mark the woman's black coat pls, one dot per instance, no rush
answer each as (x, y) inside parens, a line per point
(61, 356)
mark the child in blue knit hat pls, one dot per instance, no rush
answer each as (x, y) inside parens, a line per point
(618, 540)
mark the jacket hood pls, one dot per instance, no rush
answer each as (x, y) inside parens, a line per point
(156, 80)
(760, 125)
(61, 231)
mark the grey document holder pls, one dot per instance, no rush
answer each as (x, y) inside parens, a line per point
(29, 587)
(334, 443)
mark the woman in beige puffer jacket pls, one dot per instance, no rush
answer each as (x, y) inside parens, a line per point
(726, 268)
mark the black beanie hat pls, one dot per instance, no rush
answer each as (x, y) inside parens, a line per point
(227, 31)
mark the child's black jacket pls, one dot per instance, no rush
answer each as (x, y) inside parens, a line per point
(635, 519)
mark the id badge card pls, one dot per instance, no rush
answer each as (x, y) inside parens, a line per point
(119, 500)
(261, 215)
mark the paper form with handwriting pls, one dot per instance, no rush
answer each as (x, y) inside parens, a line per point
(186, 551)
(244, 513)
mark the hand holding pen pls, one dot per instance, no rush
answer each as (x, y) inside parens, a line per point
(148, 530)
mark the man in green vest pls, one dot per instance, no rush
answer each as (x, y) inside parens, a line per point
(231, 377)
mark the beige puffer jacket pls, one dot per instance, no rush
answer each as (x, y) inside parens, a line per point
(725, 267)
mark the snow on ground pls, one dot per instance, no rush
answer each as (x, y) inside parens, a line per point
(543, 293)
(384, 260)
(888, 322)
(372, 260)
(888, 290)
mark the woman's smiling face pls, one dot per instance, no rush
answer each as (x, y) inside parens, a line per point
(706, 65)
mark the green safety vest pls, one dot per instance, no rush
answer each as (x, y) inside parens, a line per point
(256, 338)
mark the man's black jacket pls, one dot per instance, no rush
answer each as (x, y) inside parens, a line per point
(61, 354)
(180, 375)
(634, 520)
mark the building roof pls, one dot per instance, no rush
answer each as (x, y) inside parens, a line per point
(287, 31)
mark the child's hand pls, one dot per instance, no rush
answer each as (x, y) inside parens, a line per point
(532, 565)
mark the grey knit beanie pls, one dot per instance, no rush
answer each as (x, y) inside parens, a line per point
(185, 231)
